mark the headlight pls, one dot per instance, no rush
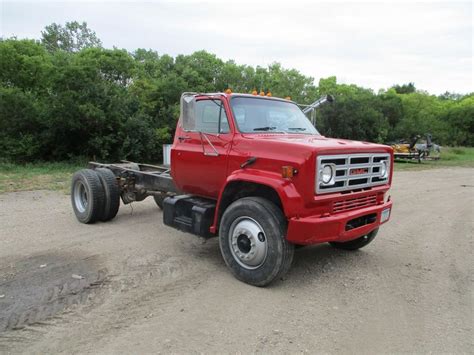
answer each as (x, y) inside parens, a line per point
(328, 174)
(384, 169)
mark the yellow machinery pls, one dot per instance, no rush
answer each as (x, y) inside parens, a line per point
(412, 150)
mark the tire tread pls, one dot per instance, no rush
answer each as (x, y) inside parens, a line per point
(111, 194)
(282, 263)
(96, 198)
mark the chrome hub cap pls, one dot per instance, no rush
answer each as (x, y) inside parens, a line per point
(80, 197)
(248, 243)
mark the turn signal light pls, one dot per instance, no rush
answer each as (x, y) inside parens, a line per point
(287, 171)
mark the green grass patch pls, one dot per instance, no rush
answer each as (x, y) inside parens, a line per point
(450, 156)
(37, 176)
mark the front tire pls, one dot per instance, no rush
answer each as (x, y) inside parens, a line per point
(87, 196)
(356, 243)
(252, 239)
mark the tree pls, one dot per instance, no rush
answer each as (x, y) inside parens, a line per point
(450, 96)
(72, 37)
(108, 104)
(24, 64)
(460, 117)
(90, 104)
(405, 88)
(390, 105)
(423, 114)
(355, 114)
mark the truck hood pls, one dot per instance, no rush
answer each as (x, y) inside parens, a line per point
(320, 143)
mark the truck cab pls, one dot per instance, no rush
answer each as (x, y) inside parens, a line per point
(255, 172)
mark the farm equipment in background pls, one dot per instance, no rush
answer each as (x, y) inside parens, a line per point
(413, 150)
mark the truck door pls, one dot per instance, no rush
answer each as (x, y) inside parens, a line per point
(200, 150)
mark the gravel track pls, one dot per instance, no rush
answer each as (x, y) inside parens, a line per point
(133, 285)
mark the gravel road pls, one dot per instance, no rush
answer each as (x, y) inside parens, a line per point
(135, 286)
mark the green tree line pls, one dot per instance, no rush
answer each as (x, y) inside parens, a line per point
(66, 97)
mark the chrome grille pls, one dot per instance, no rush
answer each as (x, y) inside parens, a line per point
(354, 203)
(353, 171)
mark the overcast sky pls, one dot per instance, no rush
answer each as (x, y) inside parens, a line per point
(372, 44)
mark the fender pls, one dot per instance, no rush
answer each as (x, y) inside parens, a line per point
(291, 200)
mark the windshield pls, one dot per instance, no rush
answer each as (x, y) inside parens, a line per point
(255, 115)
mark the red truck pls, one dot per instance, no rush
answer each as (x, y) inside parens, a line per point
(253, 171)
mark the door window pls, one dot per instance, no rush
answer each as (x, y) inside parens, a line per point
(209, 117)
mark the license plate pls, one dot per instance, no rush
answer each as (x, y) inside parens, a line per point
(385, 215)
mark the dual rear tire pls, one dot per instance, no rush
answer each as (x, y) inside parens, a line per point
(95, 195)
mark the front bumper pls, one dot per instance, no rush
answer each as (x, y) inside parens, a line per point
(321, 229)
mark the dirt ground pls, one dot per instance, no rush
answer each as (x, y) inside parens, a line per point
(135, 286)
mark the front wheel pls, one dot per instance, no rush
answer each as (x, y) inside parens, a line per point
(356, 243)
(252, 241)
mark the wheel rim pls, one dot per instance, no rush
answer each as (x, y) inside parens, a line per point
(80, 197)
(248, 243)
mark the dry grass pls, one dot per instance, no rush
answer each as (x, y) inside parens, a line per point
(37, 176)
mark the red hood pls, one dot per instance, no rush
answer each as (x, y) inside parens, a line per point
(321, 143)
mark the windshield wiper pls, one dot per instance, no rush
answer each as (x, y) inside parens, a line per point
(297, 129)
(267, 128)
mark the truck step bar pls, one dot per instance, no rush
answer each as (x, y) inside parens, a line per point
(189, 214)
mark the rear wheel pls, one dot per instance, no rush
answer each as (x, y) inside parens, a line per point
(356, 243)
(252, 241)
(87, 196)
(112, 194)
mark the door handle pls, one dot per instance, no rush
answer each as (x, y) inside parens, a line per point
(183, 138)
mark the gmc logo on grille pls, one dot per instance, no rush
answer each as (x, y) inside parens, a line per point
(359, 171)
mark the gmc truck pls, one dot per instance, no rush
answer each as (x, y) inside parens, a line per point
(253, 171)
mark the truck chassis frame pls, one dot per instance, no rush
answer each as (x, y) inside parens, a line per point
(138, 181)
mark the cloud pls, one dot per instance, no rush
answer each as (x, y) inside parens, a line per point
(370, 44)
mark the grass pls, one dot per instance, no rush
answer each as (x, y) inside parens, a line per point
(37, 176)
(57, 176)
(450, 156)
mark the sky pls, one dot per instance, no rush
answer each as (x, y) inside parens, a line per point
(370, 44)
